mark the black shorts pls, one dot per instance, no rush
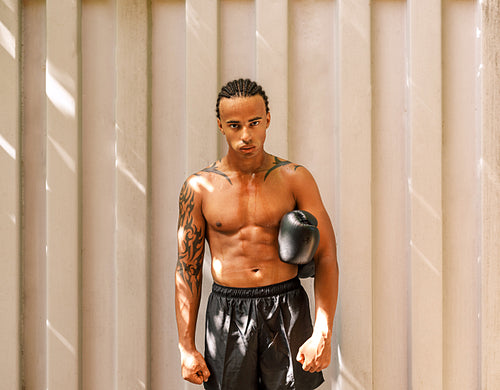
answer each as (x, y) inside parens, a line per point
(253, 336)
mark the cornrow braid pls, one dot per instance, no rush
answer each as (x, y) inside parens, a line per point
(241, 88)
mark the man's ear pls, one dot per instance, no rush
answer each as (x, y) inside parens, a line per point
(219, 123)
(268, 117)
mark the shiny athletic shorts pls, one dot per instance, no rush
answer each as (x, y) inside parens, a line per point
(253, 336)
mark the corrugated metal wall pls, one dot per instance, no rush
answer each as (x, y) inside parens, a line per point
(107, 105)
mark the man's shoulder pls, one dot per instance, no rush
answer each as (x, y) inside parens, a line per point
(284, 167)
(204, 177)
(212, 169)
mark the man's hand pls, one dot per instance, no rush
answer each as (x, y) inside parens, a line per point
(315, 353)
(194, 368)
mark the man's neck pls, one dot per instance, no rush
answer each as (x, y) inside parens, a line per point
(247, 165)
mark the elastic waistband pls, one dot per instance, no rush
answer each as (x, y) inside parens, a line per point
(256, 292)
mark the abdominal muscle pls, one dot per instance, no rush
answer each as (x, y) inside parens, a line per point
(242, 260)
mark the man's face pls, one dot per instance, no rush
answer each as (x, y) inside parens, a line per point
(244, 121)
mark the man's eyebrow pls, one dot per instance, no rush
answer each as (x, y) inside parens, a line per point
(250, 120)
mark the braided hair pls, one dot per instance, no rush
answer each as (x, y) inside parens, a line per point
(241, 88)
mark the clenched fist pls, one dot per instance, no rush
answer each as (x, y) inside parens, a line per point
(315, 353)
(194, 368)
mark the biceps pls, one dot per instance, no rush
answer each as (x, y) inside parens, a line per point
(310, 199)
(191, 243)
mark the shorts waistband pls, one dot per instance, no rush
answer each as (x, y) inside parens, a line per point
(256, 292)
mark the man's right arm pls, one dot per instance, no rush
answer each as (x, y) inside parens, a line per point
(188, 278)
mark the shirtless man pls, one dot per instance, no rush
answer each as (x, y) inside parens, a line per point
(259, 332)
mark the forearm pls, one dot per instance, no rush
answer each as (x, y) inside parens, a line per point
(326, 294)
(187, 304)
(315, 353)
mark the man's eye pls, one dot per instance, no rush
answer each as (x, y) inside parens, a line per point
(233, 126)
(255, 123)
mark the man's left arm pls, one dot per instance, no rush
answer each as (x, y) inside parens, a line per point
(315, 353)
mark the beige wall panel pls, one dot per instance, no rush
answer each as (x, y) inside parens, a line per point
(132, 193)
(424, 83)
(385, 102)
(201, 83)
(390, 230)
(236, 45)
(311, 87)
(63, 252)
(98, 197)
(168, 174)
(34, 138)
(354, 217)
(460, 199)
(10, 217)
(490, 196)
(237, 39)
(271, 57)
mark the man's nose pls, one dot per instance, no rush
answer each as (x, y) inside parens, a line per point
(245, 135)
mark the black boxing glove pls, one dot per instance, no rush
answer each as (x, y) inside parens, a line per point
(307, 270)
(298, 240)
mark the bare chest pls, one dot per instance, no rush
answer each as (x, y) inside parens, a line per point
(247, 203)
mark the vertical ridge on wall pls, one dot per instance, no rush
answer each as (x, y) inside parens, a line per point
(132, 193)
(311, 91)
(425, 193)
(34, 197)
(272, 59)
(389, 204)
(354, 220)
(98, 197)
(236, 47)
(490, 195)
(236, 19)
(10, 216)
(201, 83)
(63, 204)
(149, 190)
(460, 186)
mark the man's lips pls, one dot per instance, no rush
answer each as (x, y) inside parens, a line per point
(247, 148)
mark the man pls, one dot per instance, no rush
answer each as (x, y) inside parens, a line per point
(258, 329)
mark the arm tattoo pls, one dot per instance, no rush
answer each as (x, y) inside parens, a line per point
(214, 169)
(191, 250)
(279, 163)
